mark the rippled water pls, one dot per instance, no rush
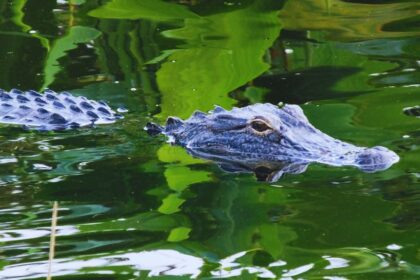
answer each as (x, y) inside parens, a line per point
(131, 206)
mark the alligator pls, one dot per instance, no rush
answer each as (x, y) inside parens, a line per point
(268, 140)
(262, 138)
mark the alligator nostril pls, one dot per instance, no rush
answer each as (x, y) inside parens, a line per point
(376, 159)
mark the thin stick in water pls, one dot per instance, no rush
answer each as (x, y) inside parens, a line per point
(52, 239)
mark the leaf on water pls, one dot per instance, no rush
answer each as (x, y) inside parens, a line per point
(76, 35)
(145, 9)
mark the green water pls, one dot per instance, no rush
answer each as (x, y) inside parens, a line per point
(133, 207)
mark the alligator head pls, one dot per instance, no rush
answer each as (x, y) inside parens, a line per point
(267, 140)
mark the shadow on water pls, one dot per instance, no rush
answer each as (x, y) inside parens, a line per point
(131, 206)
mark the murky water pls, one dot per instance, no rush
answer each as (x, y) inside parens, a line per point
(131, 206)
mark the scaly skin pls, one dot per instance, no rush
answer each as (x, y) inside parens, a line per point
(52, 111)
(268, 140)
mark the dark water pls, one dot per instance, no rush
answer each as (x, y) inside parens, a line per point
(133, 207)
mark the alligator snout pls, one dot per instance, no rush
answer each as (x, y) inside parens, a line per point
(376, 159)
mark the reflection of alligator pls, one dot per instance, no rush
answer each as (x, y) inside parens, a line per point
(52, 111)
(267, 140)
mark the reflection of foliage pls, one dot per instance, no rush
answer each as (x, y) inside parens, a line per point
(347, 21)
(220, 40)
(148, 221)
(145, 9)
(184, 204)
(406, 24)
(179, 234)
(77, 2)
(241, 210)
(19, 46)
(123, 50)
(178, 176)
(373, 72)
(76, 35)
(17, 7)
(404, 51)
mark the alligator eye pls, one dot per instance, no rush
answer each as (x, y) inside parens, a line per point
(260, 126)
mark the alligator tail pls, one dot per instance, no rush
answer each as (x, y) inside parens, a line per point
(52, 110)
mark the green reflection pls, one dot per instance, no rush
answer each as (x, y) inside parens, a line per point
(145, 9)
(127, 198)
(221, 42)
(76, 35)
(346, 21)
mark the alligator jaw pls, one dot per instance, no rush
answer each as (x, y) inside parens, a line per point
(338, 153)
(366, 159)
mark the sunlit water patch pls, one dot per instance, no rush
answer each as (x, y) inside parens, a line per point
(169, 262)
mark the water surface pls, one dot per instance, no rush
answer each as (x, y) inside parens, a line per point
(134, 207)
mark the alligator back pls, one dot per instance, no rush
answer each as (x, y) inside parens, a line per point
(52, 111)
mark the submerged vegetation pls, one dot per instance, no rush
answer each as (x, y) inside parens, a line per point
(131, 206)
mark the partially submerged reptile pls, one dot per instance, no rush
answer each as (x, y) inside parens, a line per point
(262, 138)
(267, 140)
